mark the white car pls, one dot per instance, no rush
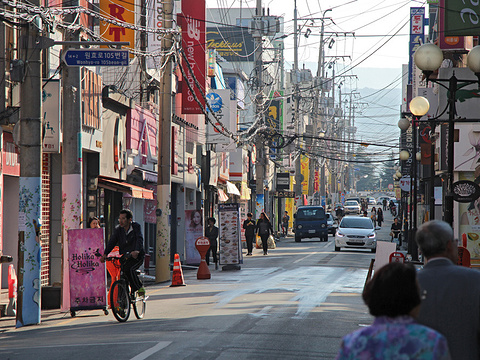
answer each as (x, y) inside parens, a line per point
(352, 207)
(356, 232)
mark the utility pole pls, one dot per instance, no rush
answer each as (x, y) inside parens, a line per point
(162, 261)
(298, 163)
(28, 311)
(72, 198)
(261, 161)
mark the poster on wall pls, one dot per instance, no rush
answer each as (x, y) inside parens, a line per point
(229, 234)
(193, 230)
(87, 274)
(469, 213)
(260, 205)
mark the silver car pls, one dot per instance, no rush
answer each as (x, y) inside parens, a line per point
(352, 207)
(356, 232)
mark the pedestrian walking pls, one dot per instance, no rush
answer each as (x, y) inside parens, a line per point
(393, 297)
(285, 221)
(379, 216)
(384, 203)
(211, 232)
(451, 303)
(373, 216)
(264, 229)
(249, 226)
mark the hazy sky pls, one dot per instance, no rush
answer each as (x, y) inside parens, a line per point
(366, 33)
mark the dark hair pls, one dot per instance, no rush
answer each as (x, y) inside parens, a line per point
(265, 215)
(128, 213)
(433, 236)
(249, 214)
(91, 219)
(393, 290)
(212, 219)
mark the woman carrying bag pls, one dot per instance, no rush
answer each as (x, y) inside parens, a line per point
(264, 230)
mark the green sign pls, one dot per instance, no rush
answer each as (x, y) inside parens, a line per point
(462, 17)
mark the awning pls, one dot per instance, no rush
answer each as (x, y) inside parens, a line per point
(221, 195)
(232, 189)
(118, 185)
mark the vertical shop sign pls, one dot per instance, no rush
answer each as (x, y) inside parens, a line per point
(192, 20)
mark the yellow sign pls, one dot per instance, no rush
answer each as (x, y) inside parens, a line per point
(121, 11)
(304, 161)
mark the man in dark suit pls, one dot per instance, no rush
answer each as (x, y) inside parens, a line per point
(451, 293)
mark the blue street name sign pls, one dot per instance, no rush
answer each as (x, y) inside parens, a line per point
(96, 57)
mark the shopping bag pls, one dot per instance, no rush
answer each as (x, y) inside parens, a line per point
(271, 242)
(259, 242)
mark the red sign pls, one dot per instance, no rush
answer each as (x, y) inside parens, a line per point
(203, 244)
(10, 158)
(192, 21)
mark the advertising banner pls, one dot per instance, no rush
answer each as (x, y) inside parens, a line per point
(122, 11)
(51, 116)
(192, 22)
(470, 219)
(87, 274)
(231, 44)
(155, 21)
(461, 18)
(304, 163)
(417, 18)
(219, 100)
(193, 230)
(229, 234)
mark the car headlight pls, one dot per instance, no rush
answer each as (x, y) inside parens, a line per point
(371, 236)
(323, 225)
(299, 226)
(339, 234)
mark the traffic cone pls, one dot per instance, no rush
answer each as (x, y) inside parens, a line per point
(177, 276)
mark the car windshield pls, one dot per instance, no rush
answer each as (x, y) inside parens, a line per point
(356, 223)
(351, 203)
(311, 214)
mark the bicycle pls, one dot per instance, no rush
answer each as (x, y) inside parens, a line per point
(120, 294)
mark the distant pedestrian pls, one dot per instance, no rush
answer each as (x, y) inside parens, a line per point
(339, 213)
(264, 229)
(373, 216)
(211, 232)
(379, 216)
(249, 226)
(452, 293)
(285, 221)
(393, 297)
(384, 203)
(396, 232)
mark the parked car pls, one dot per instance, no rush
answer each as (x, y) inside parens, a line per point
(356, 232)
(352, 207)
(310, 222)
(371, 201)
(331, 224)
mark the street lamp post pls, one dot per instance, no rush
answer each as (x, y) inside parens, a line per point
(419, 106)
(428, 58)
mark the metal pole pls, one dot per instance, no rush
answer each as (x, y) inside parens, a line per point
(162, 263)
(432, 171)
(414, 250)
(28, 311)
(448, 209)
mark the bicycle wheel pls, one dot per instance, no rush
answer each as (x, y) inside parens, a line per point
(120, 301)
(139, 306)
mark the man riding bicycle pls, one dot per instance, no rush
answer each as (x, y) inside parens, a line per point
(128, 236)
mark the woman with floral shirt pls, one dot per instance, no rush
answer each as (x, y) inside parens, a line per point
(393, 297)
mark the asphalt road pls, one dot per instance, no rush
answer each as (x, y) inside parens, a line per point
(295, 303)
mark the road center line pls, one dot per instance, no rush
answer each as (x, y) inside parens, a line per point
(161, 345)
(297, 261)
